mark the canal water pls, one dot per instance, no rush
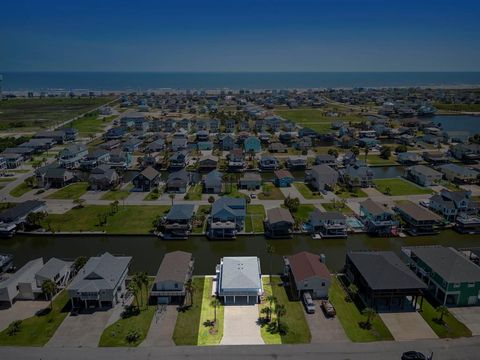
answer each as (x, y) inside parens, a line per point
(387, 172)
(148, 251)
(468, 123)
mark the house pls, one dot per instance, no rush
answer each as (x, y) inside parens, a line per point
(101, 282)
(177, 182)
(308, 273)
(451, 277)
(173, 275)
(131, 145)
(303, 144)
(212, 182)
(155, 146)
(214, 125)
(378, 219)
(178, 160)
(207, 163)
(459, 174)
(468, 153)
(94, 158)
(14, 217)
(230, 125)
(384, 282)
(21, 284)
(58, 135)
(282, 178)
(239, 280)
(114, 133)
(423, 175)
(435, 158)
(252, 145)
(279, 223)
(202, 135)
(236, 160)
(296, 163)
(227, 217)
(3, 163)
(419, 221)
(204, 145)
(408, 158)
(451, 204)
(151, 160)
(177, 224)
(325, 159)
(71, 156)
(357, 175)
(56, 270)
(179, 141)
(330, 224)
(277, 148)
(120, 159)
(250, 181)
(52, 176)
(70, 133)
(26, 153)
(227, 142)
(307, 132)
(147, 180)
(268, 162)
(103, 178)
(12, 161)
(264, 137)
(39, 145)
(322, 177)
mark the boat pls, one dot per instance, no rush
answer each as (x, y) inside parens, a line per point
(6, 262)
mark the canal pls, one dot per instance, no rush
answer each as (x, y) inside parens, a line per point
(148, 251)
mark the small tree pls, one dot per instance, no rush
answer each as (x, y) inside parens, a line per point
(442, 311)
(366, 151)
(215, 303)
(385, 152)
(369, 313)
(49, 288)
(280, 311)
(172, 197)
(352, 291)
(189, 290)
(267, 311)
(14, 327)
(79, 263)
(211, 199)
(133, 288)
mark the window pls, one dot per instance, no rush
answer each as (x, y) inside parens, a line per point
(456, 285)
(470, 285)
(323, 283)
(176, 286)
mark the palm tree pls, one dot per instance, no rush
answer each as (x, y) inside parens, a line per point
(133, 288)
(442, 310)
(352, 290)
(271, 251)
(268, 313)
(79, 263)
(367, 150)
(369, 313)
(215, 303)
(142, 279)
(189, 291)
(271, 301)
(172, 197)
(280, 311)
(49, 288)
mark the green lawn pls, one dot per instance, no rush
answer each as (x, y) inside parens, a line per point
(376, 160)
(152, 195)
(303, 211)
(190, 328)
(350, 317)
(203, 211)
(306, 191)
(398, 186)
(270, 192)
(232, 191)
(344, 193)
(337, 207)
(458, 107)
(194, 193)
(119, 194)
(254, 219)
(298, 331)
(20, 190)
(37, 330)
(129, 219)
(450, 328)
(72, 191)
(91, 124)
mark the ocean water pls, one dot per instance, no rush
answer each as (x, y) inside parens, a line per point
(144, 81)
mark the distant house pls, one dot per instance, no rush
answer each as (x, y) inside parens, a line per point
(230, 125)
(435, 158)
(419, 221)
(423, 175)
(71, 156)
(52, 176)
(39, 145)
(408, 158)
(131, 145)
(20, 285)
(12, 161)
(358, 175)
(207, 163)
(252, 144)
(202, 135)
(282, 178)
(307, 132)
(147, 180)
(277, 148)
(15, 217)
(101, 282)
(459, 174)
(378, 219)
(279, 223)
(296, 163)
(384, 282)
(236, 160)
(227, 217)
(303, 144)
(177, 224)
(114, 133)
(453, 204)
(174, 273)
(95, 158)
(325, 159)
(268, 163)
(468, 153)
(178, 160)
(322, 177)
(308, 273)
(179, 141)
(155, 146)
(177, 182)
(227, 142)
(239, 280)
(204, 145)
(212, 182)
(103, 178)
(451, 277)
(58, 135)
(250, 181)
(328, 224)
(120, 159)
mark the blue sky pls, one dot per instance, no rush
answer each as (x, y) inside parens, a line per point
(274, 35)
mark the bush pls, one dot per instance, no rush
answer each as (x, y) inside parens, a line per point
(14, 327)
(133, 335)
(130, 311)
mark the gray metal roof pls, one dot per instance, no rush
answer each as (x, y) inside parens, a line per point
(241, 272)
(276, 215)
(180, 212)
(25, 274)
(53, 267)
(20, 210)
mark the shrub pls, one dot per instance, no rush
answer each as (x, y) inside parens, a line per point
(14, 327)
(133, 335)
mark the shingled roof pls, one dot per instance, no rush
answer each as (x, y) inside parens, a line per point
(175, 266)
(305, 265)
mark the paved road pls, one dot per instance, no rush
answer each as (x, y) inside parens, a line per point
(460, 349)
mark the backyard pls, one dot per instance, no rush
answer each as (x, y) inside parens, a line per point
(304, 210)
(377, 160)
(254, 218)
(270, 192)
(398, 186)
(72, 191)
(339, 206)
(307, 192)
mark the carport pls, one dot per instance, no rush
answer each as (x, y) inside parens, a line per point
(240, 300)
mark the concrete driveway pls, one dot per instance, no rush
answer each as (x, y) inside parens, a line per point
(240, 325)
(82, 330)
(470, 316)
(161, 329)
(407, 326)
(324, 329)
(20, 310)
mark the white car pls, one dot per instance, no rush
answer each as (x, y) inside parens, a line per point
(308, 303)
(253, 196)
(425, 203)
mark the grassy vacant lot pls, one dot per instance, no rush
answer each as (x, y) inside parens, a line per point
(449, 328)
(344, 209)
(307, 192)
(119, 194)
(194, 193)
(270, 192)
(37, 113)
(345, 193)
(376, 160)
(37, 330)
(129, 219)
(20, 189)
(350, 317)
(72, 191)
(298, 331)
(91, 124)
(395, 187)
(190, 327)
(254, 219)
(302, 213)
(232, 191)
(458, 107)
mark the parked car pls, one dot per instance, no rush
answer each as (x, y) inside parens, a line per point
(308, 302)
(328, 308)
(415, 355)
(253, 196)
(425, 203)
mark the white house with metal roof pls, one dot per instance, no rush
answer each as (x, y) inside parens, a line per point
(21, 284)
(239, 280)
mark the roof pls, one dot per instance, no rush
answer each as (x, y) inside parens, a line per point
(234, 206)
(305, 265)
(448, 263)
(150, 173)
(100, 273)
(251, 176)
(180, 212)
(53, 267)
(425, 170)
(180, 175)
(276, 215)
(280, 174)
(384, 270)
(241, 273)
(374, 207)
(458, 169)
(175, 266)
(25, 274)
(20, 210)
(323, 169)
(417, 212)
(213, 176)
